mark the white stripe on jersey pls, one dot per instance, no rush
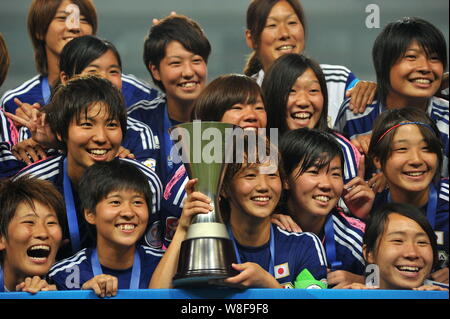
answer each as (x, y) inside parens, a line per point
(42, 170)
(349, 165)
(181, 191)
(25, 87)
(4, 134)
(64, 264)
(343, 232)
(145, 132)
(444, 192)
(319, 248)
(131, 79)
(146, 104)
(153, 251)
(350, 247)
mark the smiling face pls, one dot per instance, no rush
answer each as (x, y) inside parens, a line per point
(253, 194)
(404, 254)
(120, 219)
(58, 34)
(107, 66)
(411, 166)
(96, 137)
(34, 236)
(247, 116)
(316, 191)
(414, 76)
(282, 34)
(305, 102)
(182, 73)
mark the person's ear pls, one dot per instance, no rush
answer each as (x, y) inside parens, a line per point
(155, 72)
(377, 162)
(89, 216)
(368, 255)
(2, 242)
(63, 77)
(286, 185)
(249, 40)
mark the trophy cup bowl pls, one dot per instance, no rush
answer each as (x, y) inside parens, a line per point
(207, 252)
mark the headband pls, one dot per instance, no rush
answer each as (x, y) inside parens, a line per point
(403, 123)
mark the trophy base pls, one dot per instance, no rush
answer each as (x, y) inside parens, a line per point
(204, 262)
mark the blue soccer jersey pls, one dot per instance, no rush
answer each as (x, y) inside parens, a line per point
(71, 273)
(351, 158)
(352, 125)
(339, 79)
(52, 169)
(37, 90)
(154, 113)
(441, 219)
(342, 237)
(293, 252)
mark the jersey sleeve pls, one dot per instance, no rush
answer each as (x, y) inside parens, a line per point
(311, 255)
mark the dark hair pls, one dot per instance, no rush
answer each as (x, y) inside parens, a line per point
(80, 52)
(389, 118)
(4, 60)
(69, 101)
(277, 84)
(257, 13)
(28, 190)
(224, 92)
(102, 178)
(306, 147)
(252, 153)
(376, 224)
(41, 14)
(393, 41)
(174, 28)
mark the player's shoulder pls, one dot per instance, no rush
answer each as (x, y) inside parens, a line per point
(66, 264)
(44, 169)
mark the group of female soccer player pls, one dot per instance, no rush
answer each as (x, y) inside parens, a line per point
(91, 197)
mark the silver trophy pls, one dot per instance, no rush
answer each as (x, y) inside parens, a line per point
(207, 252)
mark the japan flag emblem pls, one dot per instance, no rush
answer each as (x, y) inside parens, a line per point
(281, 271)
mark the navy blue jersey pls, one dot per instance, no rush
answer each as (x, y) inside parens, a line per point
(351, 158)
(34, 90)
(293, 253)
(348, 237)
(352, 125)
(71, 273)
(52, 169)
(339, 79)
(9, 165)
(442, 212)
(154, 113)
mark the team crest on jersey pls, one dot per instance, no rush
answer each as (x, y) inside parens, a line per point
(152, 237)
(443, 259)
(150, 163)
(281, 271)
(171, 227)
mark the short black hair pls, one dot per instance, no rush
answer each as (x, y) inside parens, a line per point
(70, 100)
(222, 93)
(174, 28)
(393, 41)
(376, 223)
(277, 84)
(308, 147)
(102, 178)
(80, 52)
